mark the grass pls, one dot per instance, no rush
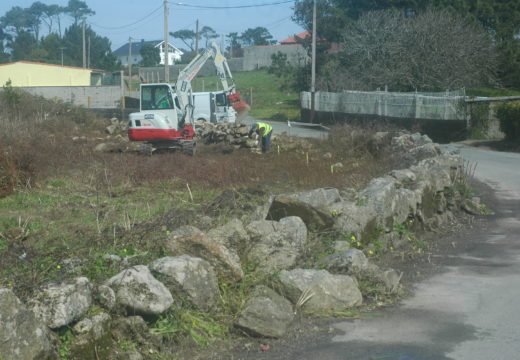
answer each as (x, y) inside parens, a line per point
(198, 326)
(490, 92)
(262, 91)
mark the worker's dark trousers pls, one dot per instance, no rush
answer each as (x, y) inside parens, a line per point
(266, 142)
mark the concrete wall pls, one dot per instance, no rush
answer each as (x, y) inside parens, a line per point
(389, 104)
(256, 57)
(100, 97)
(25, 73)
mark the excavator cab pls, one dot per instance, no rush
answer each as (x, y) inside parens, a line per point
(161, 121)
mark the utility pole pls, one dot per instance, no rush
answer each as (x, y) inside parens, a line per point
(222, 43)
(62, 48)
(313, 71)
(197, 37)
(130, 58)
(165, 47)
(88, 58)
(84, 47)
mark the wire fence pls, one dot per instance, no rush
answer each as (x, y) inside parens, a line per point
(447, 105)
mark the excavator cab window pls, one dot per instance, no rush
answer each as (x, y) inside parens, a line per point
(156, 97)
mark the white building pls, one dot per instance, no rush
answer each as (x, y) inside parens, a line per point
(174, 54)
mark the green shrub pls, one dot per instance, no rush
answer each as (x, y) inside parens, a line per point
(509, 116)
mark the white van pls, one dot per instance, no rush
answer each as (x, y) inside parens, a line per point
(213, 107)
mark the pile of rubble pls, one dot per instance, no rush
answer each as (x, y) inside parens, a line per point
(227, 133)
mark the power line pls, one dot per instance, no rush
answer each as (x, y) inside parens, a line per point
(231, 7)
(131, 24)
(130, 30)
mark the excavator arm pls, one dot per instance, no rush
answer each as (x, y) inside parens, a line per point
(183, 86)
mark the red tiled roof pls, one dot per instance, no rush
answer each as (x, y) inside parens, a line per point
(292, 39)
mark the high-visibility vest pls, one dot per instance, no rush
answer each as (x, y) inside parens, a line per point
(267, 128)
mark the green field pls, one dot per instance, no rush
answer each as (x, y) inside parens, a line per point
(261, 90)
(490, 92)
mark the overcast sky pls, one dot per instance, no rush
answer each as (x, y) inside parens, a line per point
(120, 19)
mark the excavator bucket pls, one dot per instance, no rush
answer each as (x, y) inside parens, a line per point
(240, 106)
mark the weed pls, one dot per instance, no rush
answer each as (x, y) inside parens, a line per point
(66, 337)
(417, 243)
(3, 244)
(379, 247)
(201, 327)
(126, 344)
(400, 228)
(362, 201)
(374, 291)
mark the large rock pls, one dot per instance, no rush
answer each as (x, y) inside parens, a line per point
(319, 198)
(232, 235)
(284, 206)
(106, 297)
(435, 171)
(141, 293)
(188, 240)
(353, 217)
(381, 194)
(135, 328)
(22, 335)
(327, 292)
(93, 339)
(405, 204)
(59, 304)
(425, 151)
(266, 314)
(193, 276)
(276, 245)
(347, 261)
(390, 278)
(404, 176)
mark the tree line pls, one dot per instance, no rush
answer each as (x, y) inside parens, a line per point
(250, 37)
(415, 44)
(36, 34)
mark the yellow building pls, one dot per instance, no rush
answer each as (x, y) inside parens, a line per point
(28, 73)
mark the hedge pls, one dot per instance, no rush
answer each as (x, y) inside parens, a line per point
(509, 116)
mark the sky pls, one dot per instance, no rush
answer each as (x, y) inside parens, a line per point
(143, 19)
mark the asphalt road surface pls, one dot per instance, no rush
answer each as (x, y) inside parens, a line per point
(469, 311)
(300, 129)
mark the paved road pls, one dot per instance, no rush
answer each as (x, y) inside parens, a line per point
(469, 312)
(293, 130)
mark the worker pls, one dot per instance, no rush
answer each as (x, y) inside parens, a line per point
(264, 131)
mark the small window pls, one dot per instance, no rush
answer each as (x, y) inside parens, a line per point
(156, 97)
(138, 123)
(221, 99)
